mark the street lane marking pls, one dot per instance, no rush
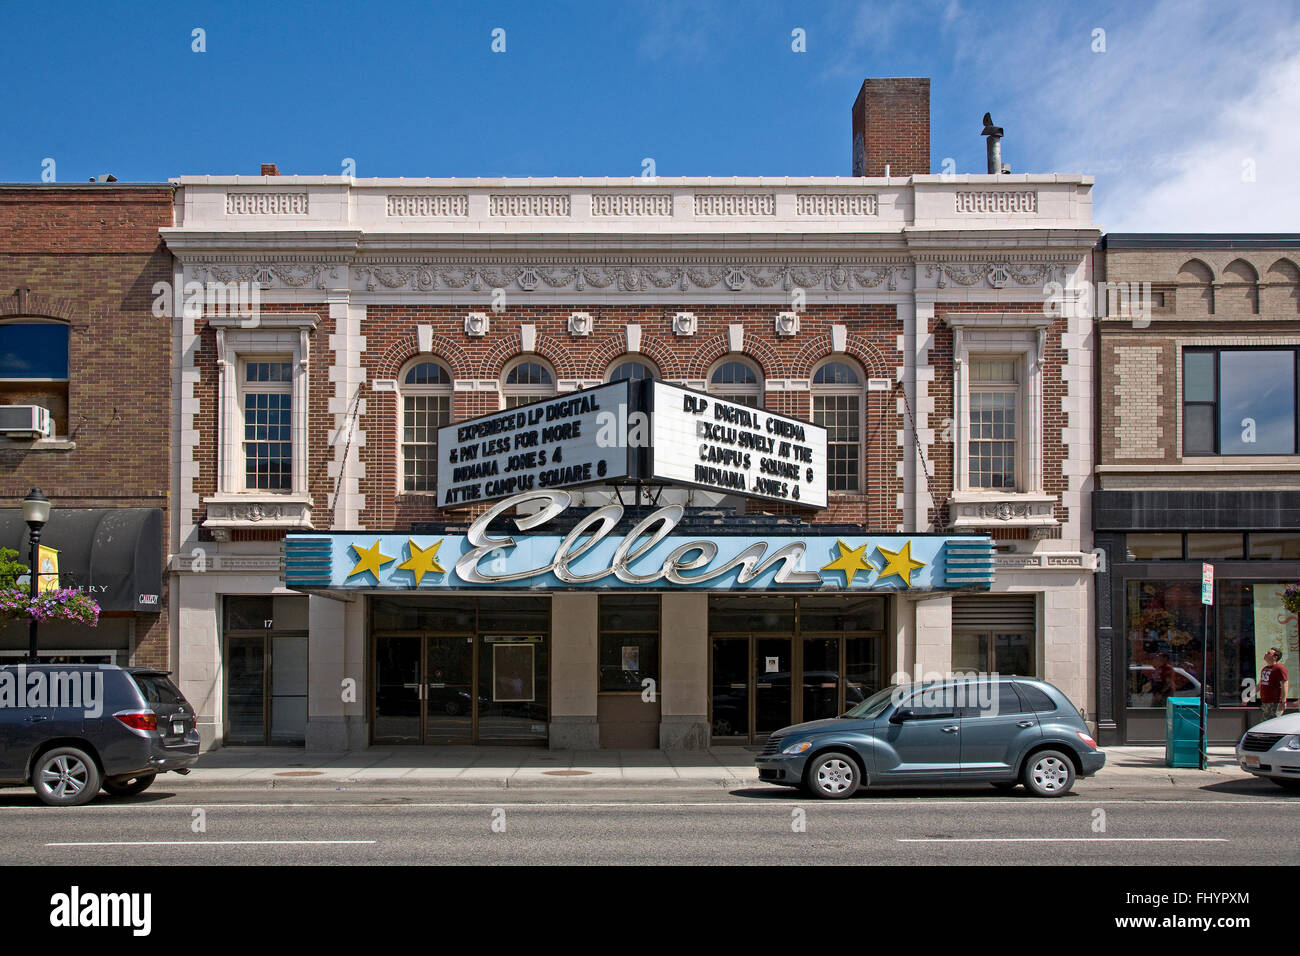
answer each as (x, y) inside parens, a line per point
(1061, 840)
(761, 803)
(212, 843)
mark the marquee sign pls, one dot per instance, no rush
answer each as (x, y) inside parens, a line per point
(648, 556)
(558, 443)
(704, 441)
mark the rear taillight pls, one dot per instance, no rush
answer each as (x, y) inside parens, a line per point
(139, 720)
(1086, 739)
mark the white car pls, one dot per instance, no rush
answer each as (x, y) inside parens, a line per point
(1272, 749)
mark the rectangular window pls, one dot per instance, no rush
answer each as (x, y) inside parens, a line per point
(267, 400)
(1225, 547)
(1275, 545)
(1165, 624)
(841, 416)
(629, 642)
(994, 400)
(1154, 547)
(422, 415)
(1239, 402)
(1251, 621)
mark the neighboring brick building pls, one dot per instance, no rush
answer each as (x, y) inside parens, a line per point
(905, 314)
(1198, 462)
(80, 338)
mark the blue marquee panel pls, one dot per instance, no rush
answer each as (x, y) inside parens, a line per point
(325, 561)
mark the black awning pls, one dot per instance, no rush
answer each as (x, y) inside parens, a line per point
(114, 554)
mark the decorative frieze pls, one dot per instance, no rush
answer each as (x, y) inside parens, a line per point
(251, 510)
(999, 201)
(836, 205)
(643, 205)
(717, 205)
(528, 205)
(263, 203)
(997, 273)
(426, 206)
(978, 510)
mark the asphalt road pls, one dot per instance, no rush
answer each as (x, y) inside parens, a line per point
(1230, 823)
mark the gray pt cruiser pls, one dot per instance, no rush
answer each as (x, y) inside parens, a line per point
(985, 729)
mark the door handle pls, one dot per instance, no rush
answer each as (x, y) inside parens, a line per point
(1025, 723)
(951, 729)
(35, 718)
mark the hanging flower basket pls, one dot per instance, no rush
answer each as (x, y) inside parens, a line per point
(1291, 598)
(62, 604)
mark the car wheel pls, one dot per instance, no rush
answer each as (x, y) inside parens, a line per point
(65, 777)
(834, 776)
(1006, 786)
(129, 786)
(1048, 773)
(1286, 783)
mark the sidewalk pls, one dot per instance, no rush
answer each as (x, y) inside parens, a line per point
(514, 767)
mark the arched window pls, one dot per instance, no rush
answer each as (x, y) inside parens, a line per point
(34, 367)
(737, 380)
(425, 403)
(837, 407)
(527, 380)
(634, 369)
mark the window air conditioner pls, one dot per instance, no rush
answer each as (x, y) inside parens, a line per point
(24, 421)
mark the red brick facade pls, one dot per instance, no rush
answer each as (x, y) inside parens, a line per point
(90, 256)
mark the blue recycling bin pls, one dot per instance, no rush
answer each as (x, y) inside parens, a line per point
(1183, 732)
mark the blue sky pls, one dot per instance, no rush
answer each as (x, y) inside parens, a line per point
(1187, 117)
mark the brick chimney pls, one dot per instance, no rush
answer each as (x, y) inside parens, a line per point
(891, 127)
(270, 169)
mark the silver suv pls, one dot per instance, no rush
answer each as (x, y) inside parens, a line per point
(984, 729)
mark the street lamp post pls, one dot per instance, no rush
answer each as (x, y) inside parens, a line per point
(36, 511)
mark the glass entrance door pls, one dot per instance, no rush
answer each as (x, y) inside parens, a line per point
(423, 689)
(751, 686)
(448, 689)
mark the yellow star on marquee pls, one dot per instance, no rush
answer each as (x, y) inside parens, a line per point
(422, 561)
(900, 562)
(850, 561)
(369, 559)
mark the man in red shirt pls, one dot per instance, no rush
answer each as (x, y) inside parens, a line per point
(1272, 685)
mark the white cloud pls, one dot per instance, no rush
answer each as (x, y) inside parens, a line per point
(1164, 119)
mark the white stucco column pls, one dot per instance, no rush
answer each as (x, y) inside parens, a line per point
(683, 681)
(326, 670)
(934, 635)
(575, 671)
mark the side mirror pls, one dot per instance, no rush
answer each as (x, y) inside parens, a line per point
(900, 715)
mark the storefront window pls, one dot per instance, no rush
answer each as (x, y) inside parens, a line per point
(752, 613)
(1251, 620)
(1275, 546)
(1155, 547)
(1225, 547)
(266, 649)
(629, 642)
(1165, 635)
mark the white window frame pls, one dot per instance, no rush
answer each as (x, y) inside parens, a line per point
(1018, 389)
(994, 335)
(528, 393)
(447, 391)
(235, 506)
(726, 390)
(860, 391)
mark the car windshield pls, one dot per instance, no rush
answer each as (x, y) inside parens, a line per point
(874, 705)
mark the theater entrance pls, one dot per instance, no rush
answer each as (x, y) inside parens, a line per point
(777, 660)
(450, 671)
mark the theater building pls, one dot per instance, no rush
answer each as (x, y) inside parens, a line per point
(886, 465)
(1198, 464)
